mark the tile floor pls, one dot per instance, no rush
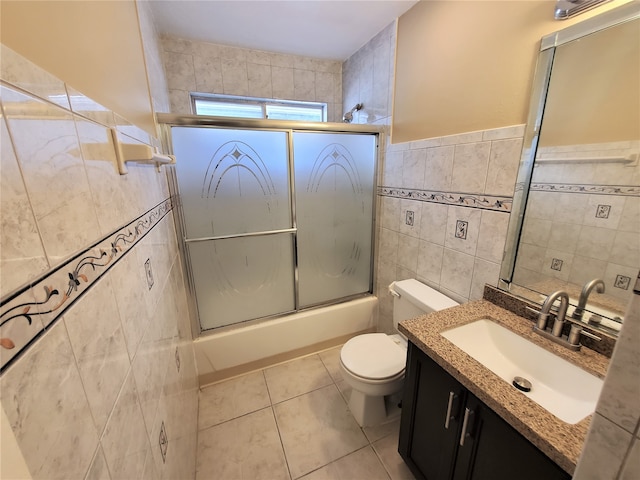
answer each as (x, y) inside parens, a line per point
(288, 422)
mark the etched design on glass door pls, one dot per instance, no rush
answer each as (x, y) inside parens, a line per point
(234, 186)
(334, 172)
(236, 158)
(237, 171)
(334, 177)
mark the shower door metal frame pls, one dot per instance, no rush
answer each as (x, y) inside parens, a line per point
(167, 121)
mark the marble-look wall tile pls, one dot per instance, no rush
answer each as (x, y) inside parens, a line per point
(537, 231)
(503, 166)
(43, 398)
(484, 272)
(492, 235)
(259, 78)
(18, 71)
(459, 247)
(125, 441)
(470, 164)
(67, 392)
(430, 262)
(282, 82)
(631, 468)
(304, 84)
(391, 171)
(433, 227)
(98, 469)
(605, 448)
(180, 71)
(153, 58)
(194, 66)
(22, 255)
(130, 298)
(411, 213)
(49, 155)
(180, 101)
(457, 272)
(83, 105)
(111, 199)
(463, 227)
(413, 168)
(408, 252)
(208, 71)
(439, 168)
(366, 79)
(516, 131)
(619, 399)
(99, 348)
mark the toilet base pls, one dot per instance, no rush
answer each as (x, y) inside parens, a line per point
(371, 410)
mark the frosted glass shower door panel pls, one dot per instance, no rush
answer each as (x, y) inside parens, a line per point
(242, 279)
(334, 181)
(232, 181)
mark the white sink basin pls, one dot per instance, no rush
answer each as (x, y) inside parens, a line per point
(566, 391)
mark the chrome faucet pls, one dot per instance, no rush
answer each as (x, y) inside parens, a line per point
(584, 296)
(571, 341)
(560, 317)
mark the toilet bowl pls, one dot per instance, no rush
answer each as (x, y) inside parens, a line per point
(373, 364)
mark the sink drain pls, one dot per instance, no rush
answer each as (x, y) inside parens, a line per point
(522, 384)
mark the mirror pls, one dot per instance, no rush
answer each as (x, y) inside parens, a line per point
(576, 215)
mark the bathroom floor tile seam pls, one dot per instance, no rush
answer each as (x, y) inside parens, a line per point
(290, 439)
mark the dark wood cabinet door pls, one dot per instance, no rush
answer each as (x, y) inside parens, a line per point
(491, 448)
(494, 450)
(428, 443)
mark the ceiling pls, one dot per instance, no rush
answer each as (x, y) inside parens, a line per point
(329, 29)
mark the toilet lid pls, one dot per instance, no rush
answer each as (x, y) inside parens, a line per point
(374, 356)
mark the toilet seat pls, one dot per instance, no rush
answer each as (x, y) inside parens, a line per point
(373, 356)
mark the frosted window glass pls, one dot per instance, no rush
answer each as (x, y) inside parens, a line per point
(232, 181)
(242, 278)
(334, 180)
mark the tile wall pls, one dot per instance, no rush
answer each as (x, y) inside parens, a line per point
(98, 376)
(587, 226)
(612, 448)
(367, 78)
(426, 206)
(193, 66)
(443, 203)
(153, 59)
(444, 212)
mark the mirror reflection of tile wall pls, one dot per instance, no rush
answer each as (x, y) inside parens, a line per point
(582, 219)
(585, 226)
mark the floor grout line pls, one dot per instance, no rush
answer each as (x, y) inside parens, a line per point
(369, 440)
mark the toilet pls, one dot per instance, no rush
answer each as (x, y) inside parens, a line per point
(373, 364)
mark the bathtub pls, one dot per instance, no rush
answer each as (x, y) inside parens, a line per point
(246, 348)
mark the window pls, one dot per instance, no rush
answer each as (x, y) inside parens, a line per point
(248, 107)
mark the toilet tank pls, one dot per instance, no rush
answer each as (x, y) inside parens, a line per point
(415, 298)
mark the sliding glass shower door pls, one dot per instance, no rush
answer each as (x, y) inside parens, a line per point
(334, 176)
(274, 220)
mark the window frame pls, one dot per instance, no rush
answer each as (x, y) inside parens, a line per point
(262, 102)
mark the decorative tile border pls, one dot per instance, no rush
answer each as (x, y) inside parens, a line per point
(471, 200)
(625, 190)
(27, 313)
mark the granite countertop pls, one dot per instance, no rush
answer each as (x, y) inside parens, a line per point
(560, 441)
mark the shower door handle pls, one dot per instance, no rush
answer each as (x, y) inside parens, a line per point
(241, 235)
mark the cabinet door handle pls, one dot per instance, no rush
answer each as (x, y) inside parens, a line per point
(465, 424)
(452, 397)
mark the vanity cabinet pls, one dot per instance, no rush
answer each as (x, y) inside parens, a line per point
(437, 443)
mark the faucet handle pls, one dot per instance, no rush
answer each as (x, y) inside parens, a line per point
(542, 317)
(576, 331)
(590, 335)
